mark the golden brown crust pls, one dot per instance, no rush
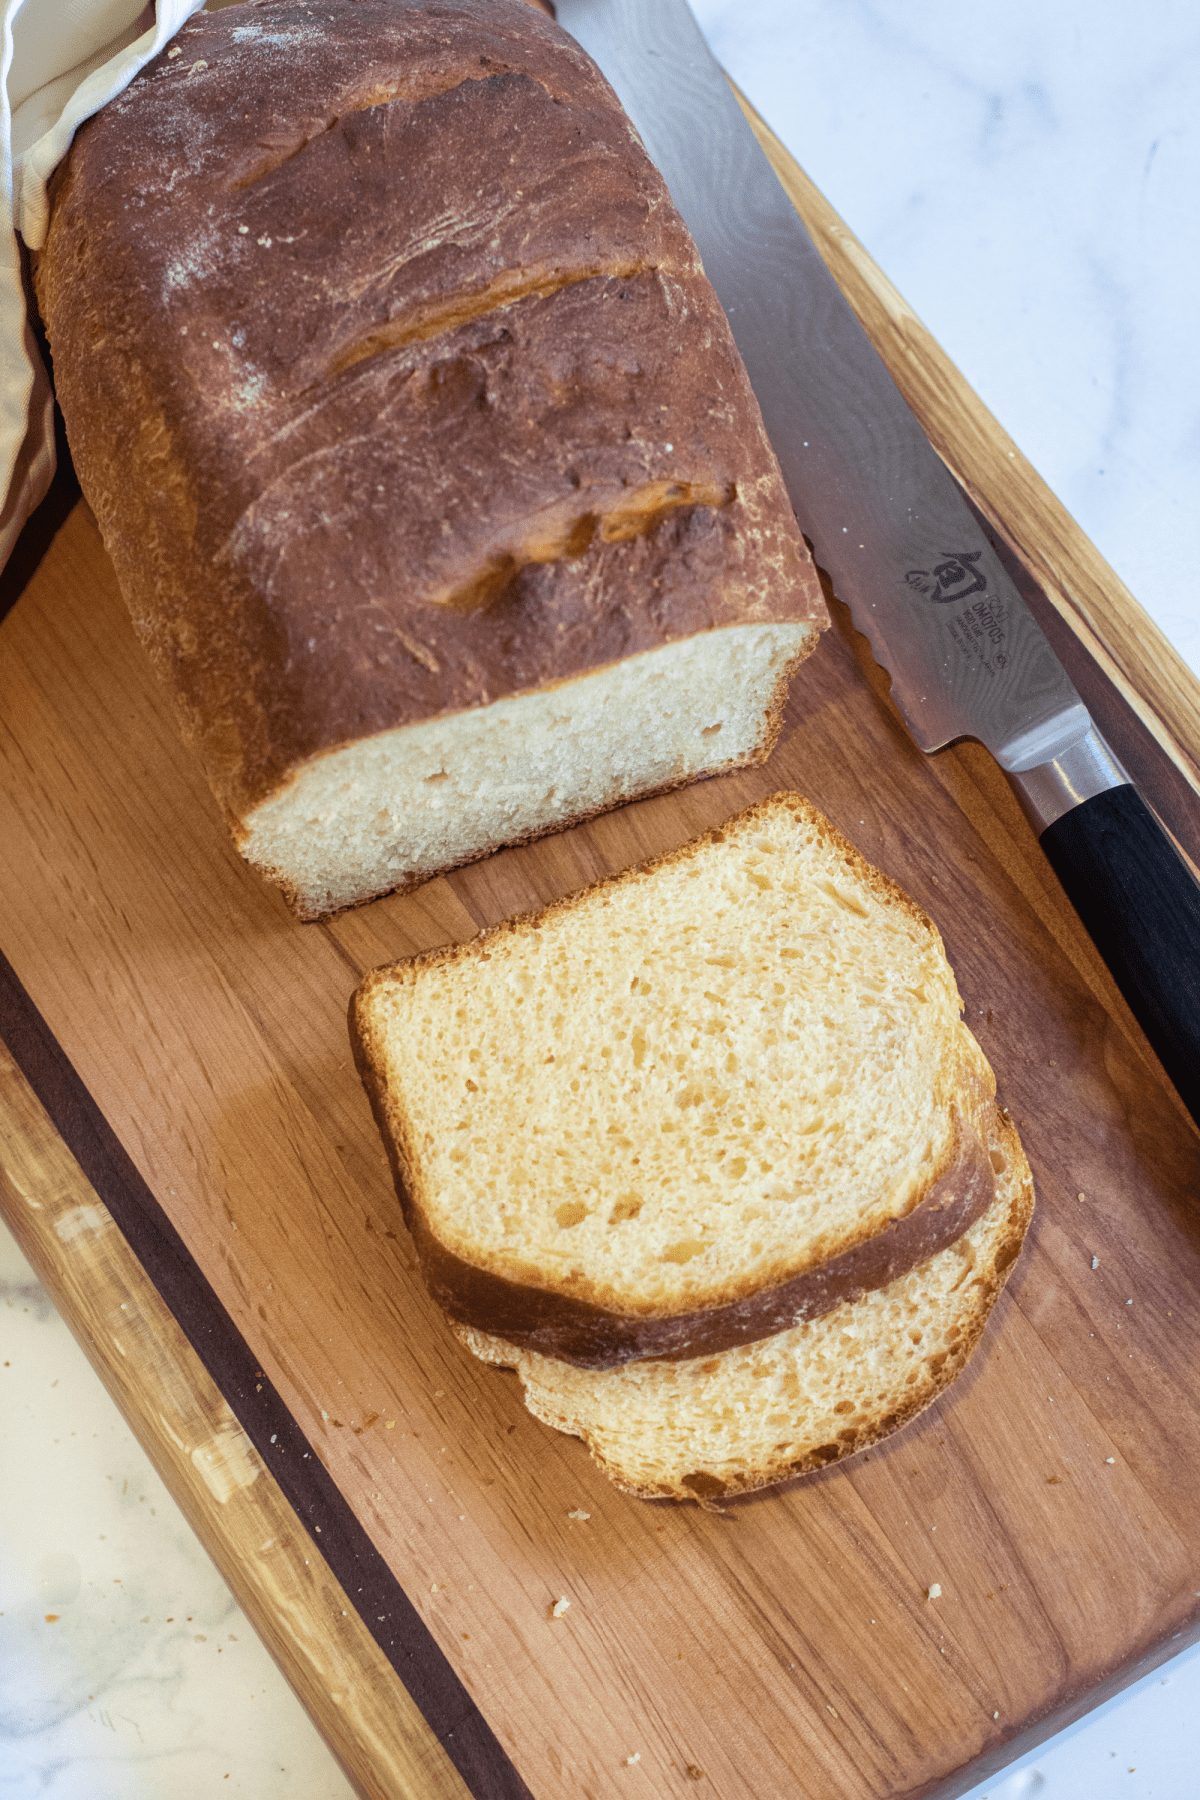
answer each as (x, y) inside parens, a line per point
(595, 1337)
(360, 470)
(540, 1317)
(965, 1311)
(990, 1282)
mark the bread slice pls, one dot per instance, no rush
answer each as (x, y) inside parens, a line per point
(417, 436)
(723, 1425)
(708, 1098)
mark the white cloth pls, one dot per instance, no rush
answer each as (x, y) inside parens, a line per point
(60, 61)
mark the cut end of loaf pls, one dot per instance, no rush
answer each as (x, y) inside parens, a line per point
(402, 806)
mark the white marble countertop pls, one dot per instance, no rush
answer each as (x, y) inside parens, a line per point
(1028, 177)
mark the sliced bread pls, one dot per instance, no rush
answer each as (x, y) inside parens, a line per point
(684, 1109)
(721, 1425)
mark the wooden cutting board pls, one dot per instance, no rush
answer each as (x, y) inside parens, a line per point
(189, 1161)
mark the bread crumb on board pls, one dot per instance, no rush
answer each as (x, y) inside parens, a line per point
(935, 1592)
(579, 1514)
(635, 1758)
(559, 1608)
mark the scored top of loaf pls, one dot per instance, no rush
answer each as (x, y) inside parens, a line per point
(679, 1091)
(393, 378)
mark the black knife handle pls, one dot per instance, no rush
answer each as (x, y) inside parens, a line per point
(1141, 906)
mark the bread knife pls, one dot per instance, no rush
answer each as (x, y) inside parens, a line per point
(890, 525)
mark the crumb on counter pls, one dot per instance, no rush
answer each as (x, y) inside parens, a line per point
(935, 1592)
(559, 1608)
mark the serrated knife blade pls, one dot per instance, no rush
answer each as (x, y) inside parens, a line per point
(892, 528)
(888, 522)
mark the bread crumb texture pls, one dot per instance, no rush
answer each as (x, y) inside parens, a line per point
(758, 1414)
(403, 805)
(684, 1083)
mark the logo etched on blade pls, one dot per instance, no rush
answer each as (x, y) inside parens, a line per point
(952, 579)
(979, 630)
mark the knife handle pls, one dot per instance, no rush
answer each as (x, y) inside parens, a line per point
(1141, 906)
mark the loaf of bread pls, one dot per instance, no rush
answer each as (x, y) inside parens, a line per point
(706, 1104)
(417, 437)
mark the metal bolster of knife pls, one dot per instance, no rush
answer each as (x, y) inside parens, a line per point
(1080, 772)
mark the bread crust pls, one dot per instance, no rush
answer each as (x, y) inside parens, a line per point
(576, 1330)
(358, 469)
(1001, 1233)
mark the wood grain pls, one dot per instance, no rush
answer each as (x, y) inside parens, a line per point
(1120, 635)
(787, 1647)
(225, 1490)
(210, 1028)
